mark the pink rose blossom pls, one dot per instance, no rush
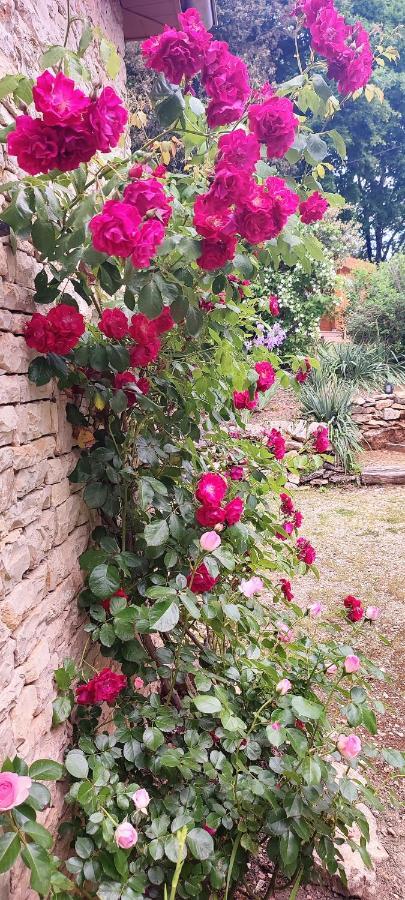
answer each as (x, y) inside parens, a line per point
(320, 439)
(274, 124)
(138, 683)
(35, 145)
(141, 799)
(267, 375)
(125, 836)
(116, 229)
(107, 118)
(58, 99)
(216, 252)
(285, 634)
(276, 726)
(253, 585)
(211, 489)
(274, 305)
(276, 443)
(313, 209)
(149, 196)
(352, 664)
(239, 149)
(331, 670)
(372, 613)
(315, 609)
(14, 789)
(234, 511)
(243, 400)
(210, 541)
(283, 686)
(236, 473)
(306, 552)
(349, 746)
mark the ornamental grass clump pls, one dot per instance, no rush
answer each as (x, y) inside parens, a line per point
(207, 732)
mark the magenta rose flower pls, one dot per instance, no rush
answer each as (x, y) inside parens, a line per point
(123, 378)
(328, 32)
(201, 581)
(177, 54)
(320, 439)
(273, 305)
(104, 686)
(209, 516)
(286, 590)
(37, 333)
(211, 218)
(142, 329)
(107, 118)
(147, 196)
(313, 209)
(164, 321)
(14, 790)
(239, 149)
(267, 375)
(143, 354)
(59, 100)
(287, 505)
(150, 235)
(236, 473)
(66, 326)
(306, 552)
(234, 510)
(215, 253)
(351, 68)
(211, 489)
(34, 144)
(276, 443)
(76, 145)
(243, 400)
(114, 323)
(274, 124)
(116, 229)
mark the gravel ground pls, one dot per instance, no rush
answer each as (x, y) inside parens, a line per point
(359, 536)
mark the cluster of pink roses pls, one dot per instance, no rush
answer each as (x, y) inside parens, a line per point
(345, 47)
(303, 371)
(266, 376)
(293, 517)
(356, 610)
(145, 333)
(106, 685)
(183, 53)
(57, 332)
(134, 226)
(73, 126)
(320, 439)
(210, 492)
(276, 443)
(306, 552)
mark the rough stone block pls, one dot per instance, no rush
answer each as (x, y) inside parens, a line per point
(32, 453)
(34, 421)
(25, 597)
(6, 489)
(62, 558)
(14, 322)
(15, 356)
(61, 467)
(14, 560)
(37, 661)
(23, 713)
(39, 536)
(9, 388)
(17, 299)
(383, 404)
(8, 425)
(391, 414)
(26, 510)
(69, 515)
(6, 458)
(30, 479)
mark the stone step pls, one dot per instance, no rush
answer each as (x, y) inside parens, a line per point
(383, 475)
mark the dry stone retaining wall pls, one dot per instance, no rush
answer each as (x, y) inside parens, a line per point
(381, 419)
(44, 524)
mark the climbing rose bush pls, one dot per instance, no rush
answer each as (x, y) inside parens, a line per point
(207, 730)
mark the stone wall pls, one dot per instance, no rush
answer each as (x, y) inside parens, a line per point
(44, 523)
(381, 419)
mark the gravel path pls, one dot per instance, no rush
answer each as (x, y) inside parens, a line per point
(359, 534)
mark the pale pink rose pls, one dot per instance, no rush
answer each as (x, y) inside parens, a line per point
(141, 799)
(138, 683)
(285, 634)
(276, 726)
(331, 670)
(252, 586)
(14, 789)
(283, 686)
(372, 613)
(315, 609)
(125, 836)
(352, 664)
(209, 541)
(349, 746)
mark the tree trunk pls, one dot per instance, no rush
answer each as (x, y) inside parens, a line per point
(368, 245)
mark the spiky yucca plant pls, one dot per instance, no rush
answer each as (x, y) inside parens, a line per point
(326, 399)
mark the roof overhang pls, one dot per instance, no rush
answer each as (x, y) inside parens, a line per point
(142, 18)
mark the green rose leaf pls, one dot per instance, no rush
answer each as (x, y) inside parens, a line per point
(306, 709)
(39, 834)
(46, 770)
(164, 616)
(37, 859)
(157, 533)
(207, 704)
(9, 850)
(76, 764)
(153, 738)
(200, 843)
(104, 581)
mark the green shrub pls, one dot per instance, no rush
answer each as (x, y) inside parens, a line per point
(377, 307)
(361, 365)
